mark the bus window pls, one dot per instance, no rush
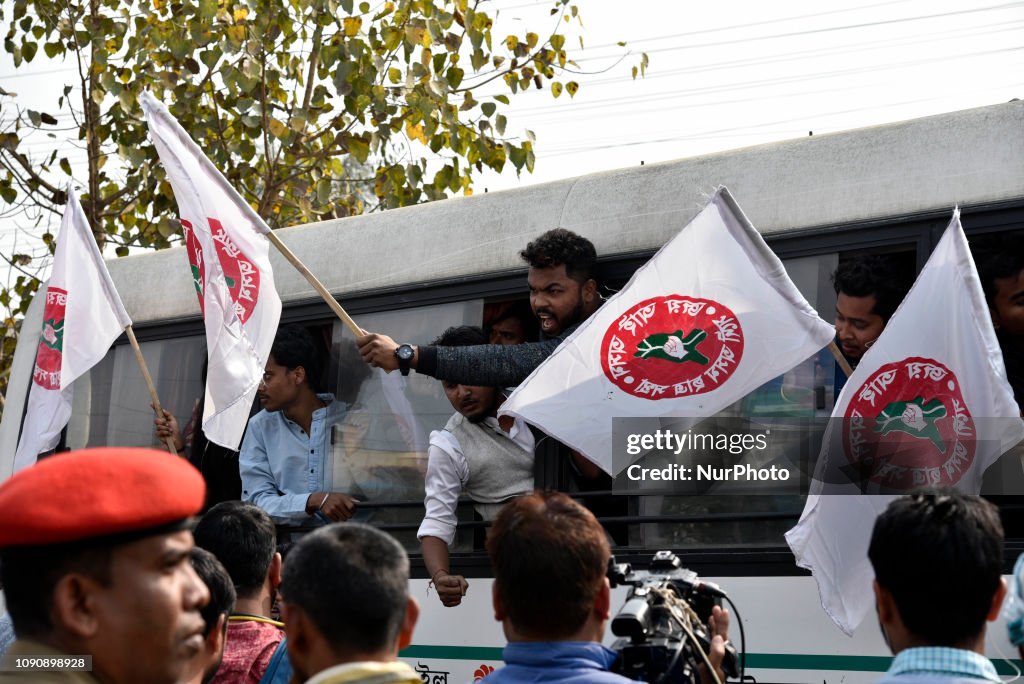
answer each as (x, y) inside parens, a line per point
(381, 445)
(109, 413)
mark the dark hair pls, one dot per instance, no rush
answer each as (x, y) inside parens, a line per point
(550, 556)
(293, 347)
(29, 574)
(242, 536)
(560, 246)
(940, 554)
(352, 581)
(998, 262)
(872, 276)
(521, 311)
(461, 336)
(217, 580)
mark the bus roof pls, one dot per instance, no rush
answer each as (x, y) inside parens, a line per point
(971, 157)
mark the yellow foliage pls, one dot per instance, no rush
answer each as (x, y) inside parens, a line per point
(352, 25)
(241, 13)
(415, 131)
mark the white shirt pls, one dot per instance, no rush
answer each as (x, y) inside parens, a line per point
(448, 473)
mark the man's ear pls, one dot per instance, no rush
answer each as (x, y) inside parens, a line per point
(996, 322)
(589, 290)
(274, 572)
(296, 628)
(218, 635)
(412, 614)
(499, 606)
(997, 600)
(603, 601)
(884, 603)
(74, 605)
(300, 374)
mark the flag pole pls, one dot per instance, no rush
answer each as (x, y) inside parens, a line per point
(169, 441)
(317, 285)
(840, 359)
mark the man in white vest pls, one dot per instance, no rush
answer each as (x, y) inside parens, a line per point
(488, 458)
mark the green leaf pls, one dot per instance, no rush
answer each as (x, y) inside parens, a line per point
(358, 149)
(278, 129)
(556, 88)
(488, 108)
(499, 124)
(28, 50)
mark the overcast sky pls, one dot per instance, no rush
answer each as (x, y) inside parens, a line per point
(722, 75)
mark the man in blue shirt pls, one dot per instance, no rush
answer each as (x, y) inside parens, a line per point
(285, 461)
(551, 594)
(938, 558)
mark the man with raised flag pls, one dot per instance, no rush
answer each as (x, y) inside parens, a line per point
(82, 317)
(928, 404)
(229, 254)
(709, 318)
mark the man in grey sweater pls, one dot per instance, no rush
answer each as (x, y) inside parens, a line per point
(563, 294)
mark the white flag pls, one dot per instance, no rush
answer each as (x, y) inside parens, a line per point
(929, 404)
(709, 318)
(82, 316)
(229, 253)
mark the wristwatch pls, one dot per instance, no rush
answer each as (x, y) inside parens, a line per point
(404, 354)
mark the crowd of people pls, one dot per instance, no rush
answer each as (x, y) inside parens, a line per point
(113, 572)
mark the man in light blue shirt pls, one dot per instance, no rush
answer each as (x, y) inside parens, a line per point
(285, 460)
(938, 558)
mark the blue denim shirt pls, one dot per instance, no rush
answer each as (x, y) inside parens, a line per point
(568, 662)
(281, 465)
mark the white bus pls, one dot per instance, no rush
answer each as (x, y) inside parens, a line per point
(413, 272)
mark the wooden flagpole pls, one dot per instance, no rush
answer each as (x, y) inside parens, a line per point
(149, 384)
(840, 359)
(317, 285)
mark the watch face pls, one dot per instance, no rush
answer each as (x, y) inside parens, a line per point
(404, 352)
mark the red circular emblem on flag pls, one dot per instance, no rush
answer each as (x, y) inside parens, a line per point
(909, 426)
(240, 274)
(195, 261)
(673, 346)
(51, 341)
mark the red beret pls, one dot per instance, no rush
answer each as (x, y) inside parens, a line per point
(97, 492)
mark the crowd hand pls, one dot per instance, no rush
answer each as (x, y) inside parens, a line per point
(338, 506)
(718, 630)
(378, 350)
(167, 426)
(450, 588)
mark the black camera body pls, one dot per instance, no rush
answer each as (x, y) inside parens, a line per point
(653, 646)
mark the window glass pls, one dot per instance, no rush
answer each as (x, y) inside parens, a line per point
(111, 402)
(380, 449)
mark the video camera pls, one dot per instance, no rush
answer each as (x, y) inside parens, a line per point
(667, 610)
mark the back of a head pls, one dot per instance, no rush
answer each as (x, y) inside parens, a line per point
(560, 246)
(352, 582)
(217, 580)
(242, 537)
(550, 556)
(293, 347)
(940, 554)
(877, 276)
(461, 336)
